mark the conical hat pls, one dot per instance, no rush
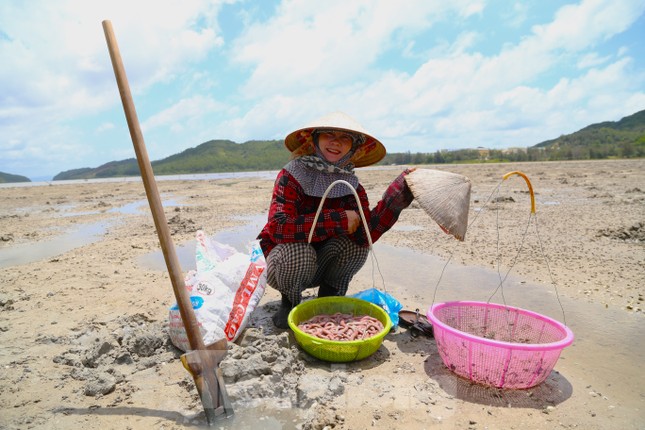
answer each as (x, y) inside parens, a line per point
(300, 141)
(445, 196)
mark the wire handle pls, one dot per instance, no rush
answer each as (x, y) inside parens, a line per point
(528, 183)
(532, 214)
(358, 203)
(360, 211)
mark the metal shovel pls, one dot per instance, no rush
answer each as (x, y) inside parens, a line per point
(200, 361)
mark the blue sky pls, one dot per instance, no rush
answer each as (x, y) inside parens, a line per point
(419, 75)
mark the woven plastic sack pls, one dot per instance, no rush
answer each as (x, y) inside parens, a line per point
(224, 291)
(385, 300)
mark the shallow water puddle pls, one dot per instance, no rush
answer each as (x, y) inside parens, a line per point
(238, 237)
(269, 417)
(29, 252)
(142, 205)
(80, 235)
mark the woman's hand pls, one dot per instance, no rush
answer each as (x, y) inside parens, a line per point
(353, 221)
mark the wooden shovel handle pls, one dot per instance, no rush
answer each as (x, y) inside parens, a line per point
(150, 185)
(172, 262)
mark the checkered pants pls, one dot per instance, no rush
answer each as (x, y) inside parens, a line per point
(294, 267)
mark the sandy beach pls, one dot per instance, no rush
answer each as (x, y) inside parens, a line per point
(84, 305)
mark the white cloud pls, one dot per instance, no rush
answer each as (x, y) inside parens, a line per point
(182, 112)
(516, 15)
(567, 106)
(591, 59)
(582, 25)
(471, 8)
(468, 94)
(304, 47)
(106, 126)
(56, 65)
(62, 54)
(455, 90)
(458, 95)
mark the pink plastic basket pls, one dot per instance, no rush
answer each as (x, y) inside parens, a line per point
(497, 345)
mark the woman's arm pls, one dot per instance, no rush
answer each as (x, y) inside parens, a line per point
(396, 197)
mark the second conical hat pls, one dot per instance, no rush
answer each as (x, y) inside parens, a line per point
(445, 196)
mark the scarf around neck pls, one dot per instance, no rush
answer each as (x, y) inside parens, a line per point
(315, 175)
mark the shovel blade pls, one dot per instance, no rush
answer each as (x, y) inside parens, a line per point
(203, 365)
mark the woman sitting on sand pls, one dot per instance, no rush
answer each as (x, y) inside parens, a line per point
(323, 152)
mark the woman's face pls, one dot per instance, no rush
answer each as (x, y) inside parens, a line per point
(334, 145)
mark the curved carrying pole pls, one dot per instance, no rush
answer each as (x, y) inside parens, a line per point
(528, 183)
(204, 376)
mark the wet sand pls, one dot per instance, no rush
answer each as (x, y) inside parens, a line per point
(84, 306)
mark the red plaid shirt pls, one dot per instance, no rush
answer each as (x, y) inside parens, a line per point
(292, 213)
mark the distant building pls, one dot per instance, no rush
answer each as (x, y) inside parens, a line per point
(484, 153)
(515, 150)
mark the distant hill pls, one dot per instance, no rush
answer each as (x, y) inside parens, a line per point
(209, 157)
(624, 138)
(8, 177)
(610, 139)
(108, 170)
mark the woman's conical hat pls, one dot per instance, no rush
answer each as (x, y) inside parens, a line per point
(445, 196)
(300, 141)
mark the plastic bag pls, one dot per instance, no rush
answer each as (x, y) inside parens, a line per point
(380, 298)
(224, 291)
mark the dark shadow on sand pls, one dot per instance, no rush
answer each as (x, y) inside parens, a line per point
(196, 421)
(239, 421)
(553, 391)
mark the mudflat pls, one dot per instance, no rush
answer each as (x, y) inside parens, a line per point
(83, 318)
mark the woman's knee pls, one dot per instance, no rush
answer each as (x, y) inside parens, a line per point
(292, 255)
(339, 261)
(291, 266)
(349, 254)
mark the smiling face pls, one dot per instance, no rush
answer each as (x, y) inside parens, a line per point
(334, 145)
